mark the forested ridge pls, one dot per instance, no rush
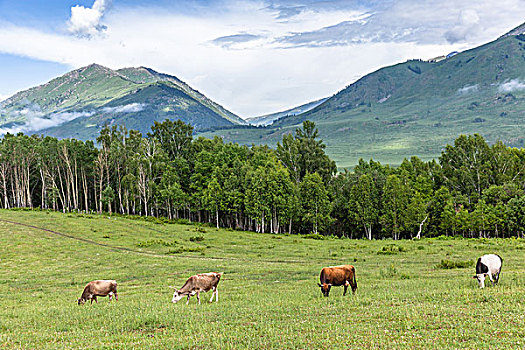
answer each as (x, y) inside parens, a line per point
(474, 189)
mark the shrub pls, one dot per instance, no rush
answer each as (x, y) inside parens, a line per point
(153, 242)
(389, 271)
(314, 236)
(391, 249)
(450, 264)
(185, 250)
(196, 238)
(447, 238)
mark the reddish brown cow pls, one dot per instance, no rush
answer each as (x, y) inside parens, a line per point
(99, 288)
(343, 275)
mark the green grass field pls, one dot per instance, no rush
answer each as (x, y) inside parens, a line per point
(268, 297)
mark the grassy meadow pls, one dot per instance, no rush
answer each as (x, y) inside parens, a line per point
(268, 298)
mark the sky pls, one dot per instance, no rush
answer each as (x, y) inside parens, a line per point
(254, 57)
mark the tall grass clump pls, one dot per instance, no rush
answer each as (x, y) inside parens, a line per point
(391, 249)
(451, 264)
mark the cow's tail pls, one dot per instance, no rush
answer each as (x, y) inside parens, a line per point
(355, 281)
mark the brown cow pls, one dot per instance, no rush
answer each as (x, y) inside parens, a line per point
(199, 283)
(99, 288)
(343, 275)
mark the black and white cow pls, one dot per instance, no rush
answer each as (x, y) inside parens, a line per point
(488, 265)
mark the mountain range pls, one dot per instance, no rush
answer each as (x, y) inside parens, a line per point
(411, 108)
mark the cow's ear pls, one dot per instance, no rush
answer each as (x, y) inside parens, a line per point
(474, 276)
(319, 284)
(329, 284)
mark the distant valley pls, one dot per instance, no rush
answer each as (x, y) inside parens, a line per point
(269, 119)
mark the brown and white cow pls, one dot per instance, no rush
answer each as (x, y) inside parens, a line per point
(343, 275)
(99, 288)
(199, 283)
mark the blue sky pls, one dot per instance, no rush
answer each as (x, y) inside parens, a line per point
(253, 57)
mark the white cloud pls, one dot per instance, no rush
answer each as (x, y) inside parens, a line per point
(36, 120)
(86, 21)
(298, 53)
(512, 85)
(130, 108)
(468, 89)
(237, 41)
(423, 22)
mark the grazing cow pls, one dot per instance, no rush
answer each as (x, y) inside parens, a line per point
(199, 283)
(488, 265)
(99, 288)
(343, 275)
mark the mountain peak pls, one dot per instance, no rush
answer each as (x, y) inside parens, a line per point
(92, 70)
(95, 66)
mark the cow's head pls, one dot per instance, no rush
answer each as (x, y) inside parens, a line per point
(81, 301)
(176, 295)
(481, 279)
(325, 288)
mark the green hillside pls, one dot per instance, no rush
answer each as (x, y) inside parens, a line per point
(148, 75)
(417, 107)
(80, 102)
(408, 291)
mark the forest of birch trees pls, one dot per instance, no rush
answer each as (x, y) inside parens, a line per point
(474, 189)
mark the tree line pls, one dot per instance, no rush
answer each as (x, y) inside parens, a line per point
(474, 189)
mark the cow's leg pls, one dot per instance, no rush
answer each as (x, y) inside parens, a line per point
(346, 287)
(188, 300)
(491, 279)
(109, 296)
(116, 296)
(497, 277)
(95, 297)
(213, 294)
(198, 298)
(217, 295)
